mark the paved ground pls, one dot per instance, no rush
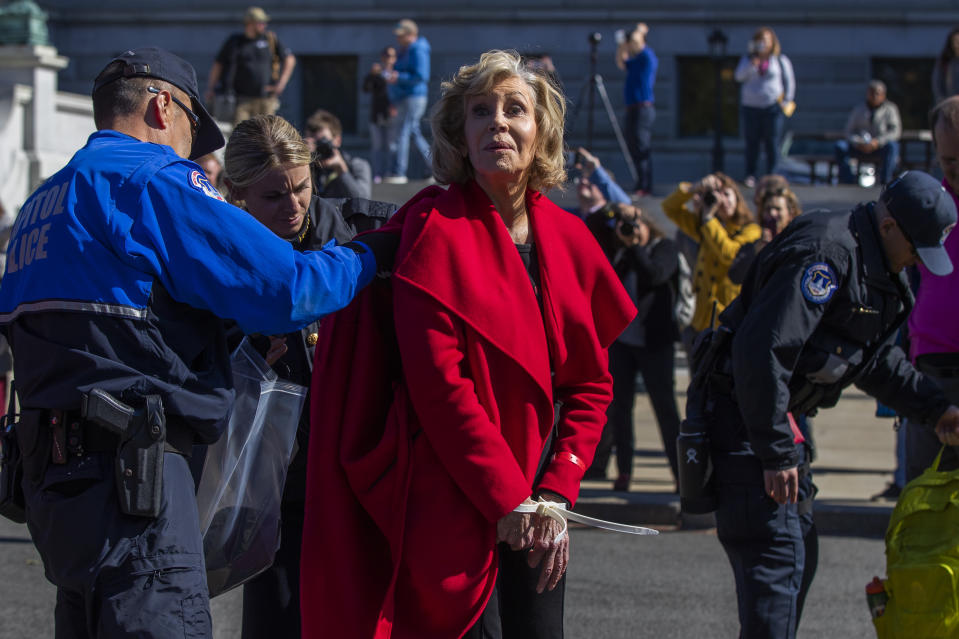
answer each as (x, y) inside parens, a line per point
(677, 584)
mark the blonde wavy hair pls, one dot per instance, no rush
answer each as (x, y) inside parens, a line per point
(448, 119)
(259, 145)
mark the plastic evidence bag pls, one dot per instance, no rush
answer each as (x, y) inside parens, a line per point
(238, 498)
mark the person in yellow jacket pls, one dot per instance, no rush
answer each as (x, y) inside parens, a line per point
(721, 222)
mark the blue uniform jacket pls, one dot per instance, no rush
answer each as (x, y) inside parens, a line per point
(120, 266)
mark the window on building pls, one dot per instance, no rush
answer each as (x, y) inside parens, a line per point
(330, 82)
(697, 96)
(909, 85)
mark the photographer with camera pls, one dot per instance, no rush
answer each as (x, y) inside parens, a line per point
(767, 97)
(778, 205)
(722, 223)
(595, 187)
(335, 173)
(647, 263)
(639, 62)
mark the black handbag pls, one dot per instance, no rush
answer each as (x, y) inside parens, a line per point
(12, 503)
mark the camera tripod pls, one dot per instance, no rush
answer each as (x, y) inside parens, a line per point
(594, 85)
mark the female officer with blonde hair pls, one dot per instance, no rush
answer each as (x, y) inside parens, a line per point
(267, 171)
(503, 307)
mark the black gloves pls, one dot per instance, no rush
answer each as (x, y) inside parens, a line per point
(382, 244)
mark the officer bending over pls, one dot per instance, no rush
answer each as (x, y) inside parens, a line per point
(120, 268)
(818, 311)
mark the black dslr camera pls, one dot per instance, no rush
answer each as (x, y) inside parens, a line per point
(614, 219)
(709, 198)
(324, 148)
(573, 158)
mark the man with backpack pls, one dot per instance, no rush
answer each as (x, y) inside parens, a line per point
(250, 72)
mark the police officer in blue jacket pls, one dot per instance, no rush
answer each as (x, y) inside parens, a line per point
(819, 310)
(119, 269)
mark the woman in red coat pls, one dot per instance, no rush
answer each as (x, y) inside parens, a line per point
(497, 386)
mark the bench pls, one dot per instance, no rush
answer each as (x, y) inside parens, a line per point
(912, 138)
(816, 151)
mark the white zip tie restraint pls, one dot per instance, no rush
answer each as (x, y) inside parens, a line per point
(557, 511)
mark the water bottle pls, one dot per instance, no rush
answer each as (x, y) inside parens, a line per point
(697, 493)
(876, 597)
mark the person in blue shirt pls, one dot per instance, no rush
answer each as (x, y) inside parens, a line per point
(408, 93)
(595, 188)
(120, 268)
(639, 62)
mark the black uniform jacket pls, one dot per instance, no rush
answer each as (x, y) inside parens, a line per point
(337, 219)
(330, 219)
(818, 311)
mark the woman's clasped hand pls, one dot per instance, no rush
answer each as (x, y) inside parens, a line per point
(543, 536)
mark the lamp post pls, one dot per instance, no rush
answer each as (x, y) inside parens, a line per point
(717, 49)
(594, 39)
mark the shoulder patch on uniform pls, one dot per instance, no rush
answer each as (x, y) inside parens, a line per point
(200, 182)
(819, 282)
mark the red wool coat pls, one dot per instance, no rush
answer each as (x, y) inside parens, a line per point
(423, 438)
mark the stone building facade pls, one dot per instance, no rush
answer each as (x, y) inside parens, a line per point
(835, 47)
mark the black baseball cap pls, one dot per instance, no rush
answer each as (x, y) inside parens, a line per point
(926, 213)
(153, 62)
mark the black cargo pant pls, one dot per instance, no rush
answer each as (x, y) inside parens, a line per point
(116, 575)
(657, 365)
(773, 549)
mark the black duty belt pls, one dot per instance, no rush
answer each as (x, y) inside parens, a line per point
(81, 436)
(944, 365)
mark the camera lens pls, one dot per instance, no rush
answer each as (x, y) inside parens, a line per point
(324, 148)
(709, 198)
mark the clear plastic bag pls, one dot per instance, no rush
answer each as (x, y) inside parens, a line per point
(239, 495)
